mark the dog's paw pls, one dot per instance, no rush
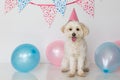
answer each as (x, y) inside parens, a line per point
(64, 69)
(81, 73)
(86, 69)
(71, 74)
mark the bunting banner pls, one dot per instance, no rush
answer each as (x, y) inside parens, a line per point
(50, 10)
(9, 5)
(87, 5)
(49, 13)
(60, 5)
(22, 4)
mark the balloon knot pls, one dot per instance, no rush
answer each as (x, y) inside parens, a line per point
(105, 70)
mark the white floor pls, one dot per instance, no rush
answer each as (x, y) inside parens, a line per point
(50, 72)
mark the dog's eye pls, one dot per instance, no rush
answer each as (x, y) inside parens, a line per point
(70, 29)
(77, 29)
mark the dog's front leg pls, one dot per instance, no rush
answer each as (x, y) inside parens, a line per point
(80, 66)
(72, 66)
(86, 69)
(65, 64)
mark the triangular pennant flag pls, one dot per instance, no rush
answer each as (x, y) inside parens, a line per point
(9, 5)
(49, 13)
(87, 5)
(22, 4)
(60, 5)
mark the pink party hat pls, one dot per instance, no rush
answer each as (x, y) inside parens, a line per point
(73, 16)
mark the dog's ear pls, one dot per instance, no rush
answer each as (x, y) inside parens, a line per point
(62, 29)
(85, 29)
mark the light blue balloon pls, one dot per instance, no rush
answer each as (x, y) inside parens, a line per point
(25, 58)
(107, 57)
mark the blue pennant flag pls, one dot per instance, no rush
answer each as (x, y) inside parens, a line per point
(60, 5)
(22, 4)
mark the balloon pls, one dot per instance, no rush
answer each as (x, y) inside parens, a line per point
(25, 58)
(107, 57)
(55, 52)
(118, 43)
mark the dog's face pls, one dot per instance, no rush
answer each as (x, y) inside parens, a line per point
(75, 30)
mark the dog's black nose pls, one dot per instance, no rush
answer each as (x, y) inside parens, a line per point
(73, 34)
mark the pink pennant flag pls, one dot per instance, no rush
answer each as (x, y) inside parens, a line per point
(9, 5)
(87, 5)
(49, 13)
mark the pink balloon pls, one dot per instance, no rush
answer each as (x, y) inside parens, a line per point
(55, 52)
(117, 42)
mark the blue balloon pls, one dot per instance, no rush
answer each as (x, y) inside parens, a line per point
(107, 57)
(25, 58)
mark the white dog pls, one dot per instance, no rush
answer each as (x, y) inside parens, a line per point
(75, 49)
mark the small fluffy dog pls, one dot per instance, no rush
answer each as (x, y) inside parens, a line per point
(75, 49)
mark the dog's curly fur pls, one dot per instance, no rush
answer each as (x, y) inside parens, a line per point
(75, 48)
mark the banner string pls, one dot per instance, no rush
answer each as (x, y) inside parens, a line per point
(69, 3)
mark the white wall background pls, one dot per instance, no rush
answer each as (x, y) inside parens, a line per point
(29, 26)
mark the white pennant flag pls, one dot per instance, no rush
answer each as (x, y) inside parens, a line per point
(9, 5)
(49, 13)
(87, 5)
